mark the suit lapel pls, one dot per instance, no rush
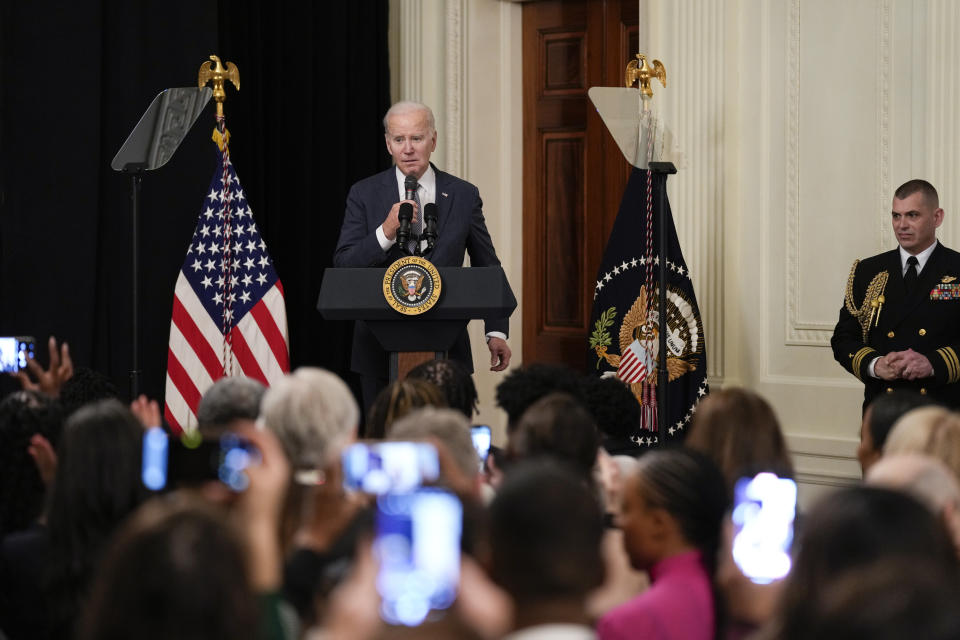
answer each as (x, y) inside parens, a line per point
(444, 200)
(389, 192)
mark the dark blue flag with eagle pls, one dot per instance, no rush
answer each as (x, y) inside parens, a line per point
(625, 323)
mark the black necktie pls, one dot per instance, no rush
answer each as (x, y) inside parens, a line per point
(910, 277)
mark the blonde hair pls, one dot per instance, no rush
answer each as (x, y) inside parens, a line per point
(931, 430)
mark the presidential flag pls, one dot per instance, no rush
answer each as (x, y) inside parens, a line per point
(625, 323)
(228, 307)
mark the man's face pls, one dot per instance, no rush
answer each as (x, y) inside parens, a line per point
(410, 141)
(915, 222)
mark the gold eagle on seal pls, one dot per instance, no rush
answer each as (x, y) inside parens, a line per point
(684, 336)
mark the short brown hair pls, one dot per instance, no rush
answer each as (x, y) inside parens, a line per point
(911, 187)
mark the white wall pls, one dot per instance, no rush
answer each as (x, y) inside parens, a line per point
(798, 118)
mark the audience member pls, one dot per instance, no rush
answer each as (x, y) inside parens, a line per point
(51, 379)
(314, 415)
(229, 403)
(453, 380)
(556, 425)
(83, 387)
(451, 431)
(24, 415)
(856, 529)
(96, 486)
(176, 570)
(545, 532)
(739, 431)
(934, 431)
(616, 412)
(524, 386)
(890, 600)
(926, 479)
(879, 418)
(671, 517)
(397, 400)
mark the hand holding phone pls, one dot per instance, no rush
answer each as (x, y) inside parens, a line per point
(418, 547)
(169, 463)
(15, 352)
(389, 467)
(763, 515)
(482, 439)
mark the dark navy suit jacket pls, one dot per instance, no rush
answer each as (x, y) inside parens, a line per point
(460, 230)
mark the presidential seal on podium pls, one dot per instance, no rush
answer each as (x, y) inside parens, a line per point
(411, 285)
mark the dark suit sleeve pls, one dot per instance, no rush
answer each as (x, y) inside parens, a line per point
(358, 245)
(849, 348)
(946, 364)
(482, 254)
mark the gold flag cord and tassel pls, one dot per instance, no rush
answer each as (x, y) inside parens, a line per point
(214, 71)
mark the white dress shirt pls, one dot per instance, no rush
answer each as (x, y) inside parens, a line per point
(427, 192)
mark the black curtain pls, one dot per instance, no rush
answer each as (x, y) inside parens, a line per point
(75, 79)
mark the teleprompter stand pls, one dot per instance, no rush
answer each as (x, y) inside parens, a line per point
(149, 146)
(468, 293)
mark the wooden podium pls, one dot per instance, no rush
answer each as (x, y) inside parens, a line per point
(467, 293)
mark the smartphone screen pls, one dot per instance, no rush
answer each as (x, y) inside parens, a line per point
(418, 547)
(389, 467)
(763, 514)
(481, 441)
(14, 352)
(169, 463)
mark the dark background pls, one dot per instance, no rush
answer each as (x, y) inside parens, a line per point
(75, 79)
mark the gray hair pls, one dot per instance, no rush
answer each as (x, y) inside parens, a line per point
(229, 399)
(408, 106)
(448, 426)
(313, 414)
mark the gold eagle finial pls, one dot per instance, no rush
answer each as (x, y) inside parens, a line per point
(215, 71)
(644, 74)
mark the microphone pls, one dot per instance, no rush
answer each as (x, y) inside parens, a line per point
(410, 187)
(430, 224)
(405, 215)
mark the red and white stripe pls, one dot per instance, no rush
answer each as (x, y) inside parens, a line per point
(635, 363)
(195, 360)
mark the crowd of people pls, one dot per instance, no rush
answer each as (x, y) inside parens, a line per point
(567, 531)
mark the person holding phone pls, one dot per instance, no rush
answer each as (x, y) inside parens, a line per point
(673, 507)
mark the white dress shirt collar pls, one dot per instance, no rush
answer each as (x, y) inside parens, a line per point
(428, 185)
(922, 258)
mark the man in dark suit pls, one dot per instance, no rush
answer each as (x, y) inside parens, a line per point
(905, 333)
(370, 225)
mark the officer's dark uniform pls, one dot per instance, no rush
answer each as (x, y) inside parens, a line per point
(927, 321)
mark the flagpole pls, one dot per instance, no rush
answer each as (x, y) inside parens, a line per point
(663, 375)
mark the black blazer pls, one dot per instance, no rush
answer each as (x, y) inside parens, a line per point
(923, 321)
(460, 230)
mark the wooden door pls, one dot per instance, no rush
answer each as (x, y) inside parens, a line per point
(573, 172)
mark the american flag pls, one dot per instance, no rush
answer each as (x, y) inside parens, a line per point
(636, 363)
(228, 306)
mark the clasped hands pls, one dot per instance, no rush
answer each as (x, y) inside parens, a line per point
(903, 365)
